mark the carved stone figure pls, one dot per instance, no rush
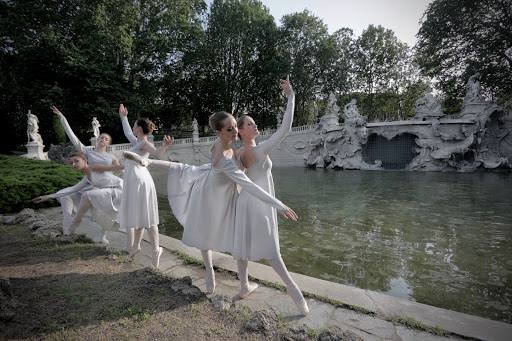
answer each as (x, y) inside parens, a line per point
(428, 106)
(95, 127)
(473, 89)
(33, 129)
(332, 108)
(195, 127)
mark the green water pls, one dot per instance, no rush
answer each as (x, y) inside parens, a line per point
(442, 239)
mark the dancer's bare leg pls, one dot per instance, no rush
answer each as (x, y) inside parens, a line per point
(159, 164)
(246, 288)
(104, 239)
(67, 204)
(154, 238)
(292, 288)
(137, 238)
(210, 274)
(84, 206)
(129, 240)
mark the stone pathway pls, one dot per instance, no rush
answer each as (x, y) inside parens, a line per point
(322, 315)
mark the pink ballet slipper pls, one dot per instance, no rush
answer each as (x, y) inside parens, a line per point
(299, 300)
(156, 257)
(247, 290)
(132, 254)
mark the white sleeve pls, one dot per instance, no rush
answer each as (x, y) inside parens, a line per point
(127, 130)
(72, 137)
(266, 147)
(70, 190)
(231, 170)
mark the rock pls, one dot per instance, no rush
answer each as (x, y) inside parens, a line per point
(61, 153)
(7, 300)
(222, 302)
(261, 321)
(25, 214)
(37, 224)
(7, 220)
(296, 332)
(192, 292)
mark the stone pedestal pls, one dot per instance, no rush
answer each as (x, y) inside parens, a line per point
(330, 120)
(151, 138)
(93, 141)
(35, 151)
(473, 108)
(195, 137)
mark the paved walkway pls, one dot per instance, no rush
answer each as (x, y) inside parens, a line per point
(322, 315)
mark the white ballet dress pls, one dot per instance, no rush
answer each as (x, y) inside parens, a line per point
(256, 229)
(139, 205)
(203, 199)
(98, 196)
(104, 195)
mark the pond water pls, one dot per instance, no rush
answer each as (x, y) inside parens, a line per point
(442, 239)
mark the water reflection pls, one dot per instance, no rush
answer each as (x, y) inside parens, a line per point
(441, 239)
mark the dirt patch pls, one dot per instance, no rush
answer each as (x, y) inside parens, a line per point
(81, 291)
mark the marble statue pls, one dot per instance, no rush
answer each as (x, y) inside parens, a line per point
(95, 127)
(428, 106)
(332, 108)
(473, 89)
(195, 127)
(33, 129)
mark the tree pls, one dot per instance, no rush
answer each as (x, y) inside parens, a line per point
(377, 52)
(458, 38)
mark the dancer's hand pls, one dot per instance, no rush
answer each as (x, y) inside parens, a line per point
(288, 213)
(123, 111)
(56, 111)
(41, 199)
(285, 85)
(168, 140)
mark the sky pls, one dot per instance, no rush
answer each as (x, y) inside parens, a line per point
(400, 16)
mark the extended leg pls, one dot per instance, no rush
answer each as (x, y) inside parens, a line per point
(104, 239)
(159, 164)
(68, 203)
(137, 238)
(292, 288)
(210, 274)
(245, 287)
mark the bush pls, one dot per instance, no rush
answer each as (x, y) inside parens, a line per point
(21, 180)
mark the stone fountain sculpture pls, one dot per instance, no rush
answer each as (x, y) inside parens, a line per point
(477, 138)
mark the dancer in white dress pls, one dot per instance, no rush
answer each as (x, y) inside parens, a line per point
(103, 199)
(203, 198)
(256, 232)
(139, 206)
(99, 156)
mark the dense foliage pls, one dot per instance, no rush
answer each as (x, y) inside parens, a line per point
(21, 180)
(175, 60)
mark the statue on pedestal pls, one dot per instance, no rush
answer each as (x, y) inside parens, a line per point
(195, 127)
(33, 129)
(473, 89)
(428, 106)
(95, 127)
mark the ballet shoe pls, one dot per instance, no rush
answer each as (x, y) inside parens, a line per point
(136, 158)
(104, 240)
(155, 260)
(132, 254)
(248, 289)
(210, 280)
(299, 300)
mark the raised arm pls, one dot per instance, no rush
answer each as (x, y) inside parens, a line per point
(231, 170)
(127, 130)
(266, 147)
(103, 168)
(72, 137)
(150, 148)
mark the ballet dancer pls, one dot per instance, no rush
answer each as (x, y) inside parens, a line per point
(256, 229)
(203, 198)
(139, 206)
(103, 199)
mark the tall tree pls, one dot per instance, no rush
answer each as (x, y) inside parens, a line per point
(458, 38)
(377, 52)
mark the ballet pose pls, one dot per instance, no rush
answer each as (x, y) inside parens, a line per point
(139, 206)
(103, 199)
(256, 232)
(99, 156)
(203, 198)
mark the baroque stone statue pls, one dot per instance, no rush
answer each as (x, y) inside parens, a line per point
(33, 129)
(95, 127)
